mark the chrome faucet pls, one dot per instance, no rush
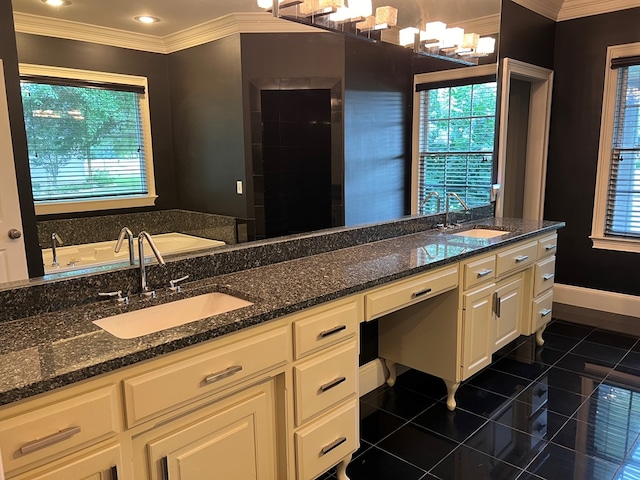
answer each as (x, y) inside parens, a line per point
(145, 291)
(55, 240)
(446, 212)
(427, 198)
(125, 232)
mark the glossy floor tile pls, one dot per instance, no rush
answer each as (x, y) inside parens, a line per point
(567, 410)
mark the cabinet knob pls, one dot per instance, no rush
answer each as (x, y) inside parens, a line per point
(14, 234)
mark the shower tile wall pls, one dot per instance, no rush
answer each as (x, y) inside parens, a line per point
(296, 160)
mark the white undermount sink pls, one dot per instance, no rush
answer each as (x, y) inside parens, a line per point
(480, 233)
(160, 317)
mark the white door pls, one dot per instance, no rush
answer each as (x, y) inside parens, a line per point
(13, 259)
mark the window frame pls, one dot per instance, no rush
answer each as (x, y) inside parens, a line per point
(98, 203)
(436, 77)
(609, 99)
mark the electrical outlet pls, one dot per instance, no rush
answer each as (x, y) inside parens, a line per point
(239, 187)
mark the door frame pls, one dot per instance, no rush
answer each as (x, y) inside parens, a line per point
(15, 262)
(541, 80)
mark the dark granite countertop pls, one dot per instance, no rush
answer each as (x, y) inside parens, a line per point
(47, 351)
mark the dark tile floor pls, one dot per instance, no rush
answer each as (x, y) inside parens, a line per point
(569, 410)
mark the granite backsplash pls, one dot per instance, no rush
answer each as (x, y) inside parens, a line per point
(66, 290)
(78, 231)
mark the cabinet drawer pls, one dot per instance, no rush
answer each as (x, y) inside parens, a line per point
(516, 257)
(544, 273)
(325, 328)
(325, 380)
(59, 428)
(401, 294)
(478, 271)
(324, 443)
(541, 311)
(153, 393)
(547, 245)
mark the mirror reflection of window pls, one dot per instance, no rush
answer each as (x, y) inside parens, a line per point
(456, 143)
(88, 139)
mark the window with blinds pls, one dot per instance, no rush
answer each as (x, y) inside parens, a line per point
(623, 196)
(85, 140)
(456, 142)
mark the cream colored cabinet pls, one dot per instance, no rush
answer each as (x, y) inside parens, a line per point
(103, 464)
(477, 329)
(232, 439)
(508, 304)
(541, 307)
(37, 433)
(453, 334)
(325, 389)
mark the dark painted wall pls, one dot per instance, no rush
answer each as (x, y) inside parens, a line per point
(59, 52)
(526, 35)
(377, 131)
(9, 56)
(580, 57)
(206, 104)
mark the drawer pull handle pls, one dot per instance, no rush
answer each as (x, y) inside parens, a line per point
(49, 440)
(521, 258)
(332, 331)
(331, 384)
(214, 377)
(545, 312)
(420, 293)
(484, 273)
(548, 276)
(114, 472)
(551, 246)
(333, 445)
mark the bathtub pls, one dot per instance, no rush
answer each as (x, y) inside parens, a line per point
(76, 257)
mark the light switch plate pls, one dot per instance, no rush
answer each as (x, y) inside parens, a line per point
(239, 187)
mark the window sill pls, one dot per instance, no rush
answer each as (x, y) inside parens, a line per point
(94, 204)
(617, 244)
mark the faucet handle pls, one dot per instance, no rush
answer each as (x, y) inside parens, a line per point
(120, 300)
(174, 287)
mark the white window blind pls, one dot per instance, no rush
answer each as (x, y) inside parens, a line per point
(85, 140)
(456, 143)
(623, 197)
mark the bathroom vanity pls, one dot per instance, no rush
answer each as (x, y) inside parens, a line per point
(270, 390)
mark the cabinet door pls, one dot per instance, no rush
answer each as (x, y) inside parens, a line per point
(508, 310)
(105, 464)
(477, 318)
(235, 442)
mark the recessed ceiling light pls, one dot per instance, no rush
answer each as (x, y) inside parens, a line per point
(147, 19)
(57, 3)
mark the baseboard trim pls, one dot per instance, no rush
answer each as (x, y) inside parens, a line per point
(371, 376)
(593, 299)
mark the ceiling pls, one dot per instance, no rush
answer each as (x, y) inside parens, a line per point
(179, 15)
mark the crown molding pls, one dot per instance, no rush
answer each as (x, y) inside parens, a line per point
(547, 8)
(49, 27)
(489, 25)
(583, 8)
(231, 24)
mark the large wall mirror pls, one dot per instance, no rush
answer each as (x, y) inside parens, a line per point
(220, 104)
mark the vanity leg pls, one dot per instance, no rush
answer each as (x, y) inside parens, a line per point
(391, 366)
(341, 468)
(539, 339)
(452, 388)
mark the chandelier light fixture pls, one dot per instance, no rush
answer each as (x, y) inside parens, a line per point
(358, 17)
